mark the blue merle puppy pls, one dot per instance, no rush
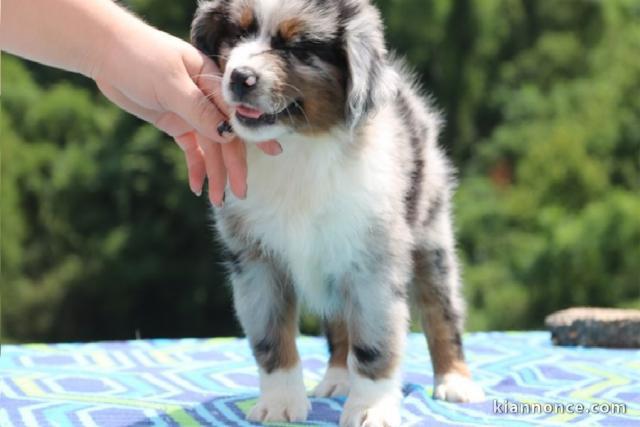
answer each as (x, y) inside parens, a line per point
(352, 219)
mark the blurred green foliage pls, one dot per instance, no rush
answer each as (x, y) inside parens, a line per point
(102, 239)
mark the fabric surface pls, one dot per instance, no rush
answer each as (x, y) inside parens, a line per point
(214, 382)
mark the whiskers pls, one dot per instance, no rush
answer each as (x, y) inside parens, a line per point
(211, 95)
(207, 77)
(296, 104)
(298, 91)
(281, 102)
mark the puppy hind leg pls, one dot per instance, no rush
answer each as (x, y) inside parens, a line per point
(437, 285)
(266, 305)
(336, 378)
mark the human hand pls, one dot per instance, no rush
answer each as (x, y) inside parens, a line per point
(163, 80)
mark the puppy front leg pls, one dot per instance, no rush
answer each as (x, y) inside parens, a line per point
(377, 323)
(266, 305)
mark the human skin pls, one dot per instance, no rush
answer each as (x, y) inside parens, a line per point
(151, 74)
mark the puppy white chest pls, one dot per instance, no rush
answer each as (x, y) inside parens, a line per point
(312, 207)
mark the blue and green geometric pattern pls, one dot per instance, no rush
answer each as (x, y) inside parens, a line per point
(213, 382)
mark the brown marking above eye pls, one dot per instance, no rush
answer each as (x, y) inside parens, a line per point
(247, 19)
(290, 28)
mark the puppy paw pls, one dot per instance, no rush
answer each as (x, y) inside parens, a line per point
(335, 383)
(372, 403)
(282, 397)
(384, 413)
(282, 408)
(454, 387)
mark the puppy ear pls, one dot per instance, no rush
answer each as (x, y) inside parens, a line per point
(208, 27)
(370, 81)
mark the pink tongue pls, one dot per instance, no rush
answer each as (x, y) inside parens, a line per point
(248, 112)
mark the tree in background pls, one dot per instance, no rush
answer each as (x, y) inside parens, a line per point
(102, 238)
(545, 130)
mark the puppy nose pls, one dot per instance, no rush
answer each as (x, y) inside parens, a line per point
(243, 80)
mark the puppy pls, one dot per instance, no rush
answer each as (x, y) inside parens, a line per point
(353, 218)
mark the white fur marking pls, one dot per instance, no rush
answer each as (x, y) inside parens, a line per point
(335, 383)
(371, 403)
(312, 205)
(454, 387)
(282, 397)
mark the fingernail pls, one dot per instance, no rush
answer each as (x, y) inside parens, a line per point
(195, 190)
(213, 201)
(225, 130)
(278, 150)
(220, 203)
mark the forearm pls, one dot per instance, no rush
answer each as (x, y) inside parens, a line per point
(68, 34)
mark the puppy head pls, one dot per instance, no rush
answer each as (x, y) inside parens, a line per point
(303, 66)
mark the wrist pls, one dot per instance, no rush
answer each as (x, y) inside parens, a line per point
(115, 44)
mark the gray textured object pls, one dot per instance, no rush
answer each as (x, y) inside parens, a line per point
(595, 327)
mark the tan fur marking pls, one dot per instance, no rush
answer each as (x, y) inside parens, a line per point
(246, 17)
(445, 355)
(323, 105)
(276, 347)
(290, 28)
(440, 330)
(288, 351)
(323, 100)
(338, 334)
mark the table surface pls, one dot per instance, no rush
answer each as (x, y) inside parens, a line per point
(190, 382)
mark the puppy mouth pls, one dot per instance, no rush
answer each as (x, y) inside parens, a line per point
(253, 117)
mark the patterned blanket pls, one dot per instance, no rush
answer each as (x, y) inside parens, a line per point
(190, 382)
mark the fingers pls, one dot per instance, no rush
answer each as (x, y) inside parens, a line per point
(172, 124)
(216, 171)
(169, 123)
(192, 110)
(209, 80)
(189, 101)
(234, 155)
(199, 112)
(219, 162)
(195, 161)
(207, 76)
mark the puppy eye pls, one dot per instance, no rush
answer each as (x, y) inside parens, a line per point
(238, 32)
(278, 42)
(296, 46)
(250, 29)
